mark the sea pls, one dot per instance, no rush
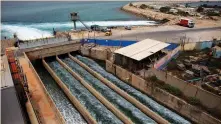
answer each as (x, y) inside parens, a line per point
(36, 19)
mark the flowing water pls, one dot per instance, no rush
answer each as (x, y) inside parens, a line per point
(153, 105)
(119, 102)
(95, 107)
(68, 111)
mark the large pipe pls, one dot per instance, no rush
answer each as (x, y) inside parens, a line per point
(103, 100)
(73, 99)
(139, 105)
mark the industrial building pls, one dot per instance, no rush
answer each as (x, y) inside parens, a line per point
(140, 55)
(58, 85)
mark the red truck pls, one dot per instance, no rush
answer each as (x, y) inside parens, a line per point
(186, 22)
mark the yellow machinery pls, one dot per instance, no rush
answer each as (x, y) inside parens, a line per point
(108, 33)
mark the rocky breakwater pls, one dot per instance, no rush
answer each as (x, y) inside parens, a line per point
(164, 18)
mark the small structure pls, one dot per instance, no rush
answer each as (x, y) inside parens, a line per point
(140, 55)
(74, 18)
(216, 52)
(174, 11)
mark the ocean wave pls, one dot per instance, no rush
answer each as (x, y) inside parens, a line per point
(27, 31)
(89, 23)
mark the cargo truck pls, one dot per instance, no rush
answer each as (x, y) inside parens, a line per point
(186, 22)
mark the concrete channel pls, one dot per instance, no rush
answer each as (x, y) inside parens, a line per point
(143, 108)
(73, 99)
(97, 98)
(164, 112)
(90, 103)
(97, 94)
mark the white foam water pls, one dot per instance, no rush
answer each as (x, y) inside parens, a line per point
(25, 32)
(41, 30)
(89, 23)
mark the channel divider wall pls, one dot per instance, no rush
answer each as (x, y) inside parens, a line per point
(52, 104)
(31, 112)
(102, 99)
(135, 102)
(87, 116)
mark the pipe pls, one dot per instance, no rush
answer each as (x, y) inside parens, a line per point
(139, 105)
(72, 98)
(103, 100)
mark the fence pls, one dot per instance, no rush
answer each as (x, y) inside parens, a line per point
(40, 42)
(108, 42)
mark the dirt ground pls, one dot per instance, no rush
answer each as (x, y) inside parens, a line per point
(196, 57)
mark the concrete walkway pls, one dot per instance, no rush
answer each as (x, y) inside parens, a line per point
(41, 103)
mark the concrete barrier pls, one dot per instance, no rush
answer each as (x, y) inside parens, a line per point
(51, 50)
(191, 90)
(73, 99)
(52, 104)
(95, 52)
(129, 98)
(103, 100)
(180, 106)
(123, 74)
(110, 67)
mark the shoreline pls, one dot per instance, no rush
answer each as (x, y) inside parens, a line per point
(164, 18)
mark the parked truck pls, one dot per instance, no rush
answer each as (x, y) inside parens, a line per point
(186, 22)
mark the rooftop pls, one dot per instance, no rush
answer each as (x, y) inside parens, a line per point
(142, 49)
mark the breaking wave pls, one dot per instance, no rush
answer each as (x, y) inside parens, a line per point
(23, 32)
(39, 30)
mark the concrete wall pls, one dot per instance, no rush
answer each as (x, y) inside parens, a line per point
(191, 90)
(197, 45)
(123, 74)
(52, 50)
(96, 53)
(167, 99)
(59, 117)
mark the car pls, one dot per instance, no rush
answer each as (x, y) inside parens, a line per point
(127, 27)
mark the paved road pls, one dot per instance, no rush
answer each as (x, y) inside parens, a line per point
(194, 35)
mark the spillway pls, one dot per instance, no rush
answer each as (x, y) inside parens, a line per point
(126, 107)
(94, 106)
(68, 111)
(164, 112)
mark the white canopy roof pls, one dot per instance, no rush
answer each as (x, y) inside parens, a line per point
(142, 49)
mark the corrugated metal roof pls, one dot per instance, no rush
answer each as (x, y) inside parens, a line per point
(142, 49)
